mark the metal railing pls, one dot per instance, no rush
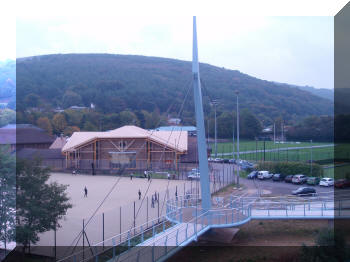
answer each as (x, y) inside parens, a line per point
(185, 221)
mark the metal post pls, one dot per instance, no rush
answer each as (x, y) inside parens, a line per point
(83, 239)
(147, 213)
(216, 146)
(264, 149)
(177, 237)
(103, 231)
(134, 216)
(55, 242)
(141, 233)
(237, 92)
(114, 244)
(311, 158)
(201, 145)
(158, 207)
(120, 223)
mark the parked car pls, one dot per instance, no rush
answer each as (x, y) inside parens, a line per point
(278, 177)
(194, 174)
(299, 179)
(218, 160)
(210, 159)
(342, 183)
(327, 181)
(253, 175)
(264, 175)
(288, 179)
(232, 161)
(313, 180)
(304, 191)
(226, 160)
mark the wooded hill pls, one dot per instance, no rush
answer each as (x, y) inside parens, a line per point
(118, 82)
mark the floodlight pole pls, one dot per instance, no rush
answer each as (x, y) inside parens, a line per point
(201, 145)
(237, 92)
(311, 158)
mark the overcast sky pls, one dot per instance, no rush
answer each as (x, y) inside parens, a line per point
(294, 50)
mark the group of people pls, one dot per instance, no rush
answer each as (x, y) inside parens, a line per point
(155, 199)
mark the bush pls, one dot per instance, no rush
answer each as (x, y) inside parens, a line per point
(291, 168)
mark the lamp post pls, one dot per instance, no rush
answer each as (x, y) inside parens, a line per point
(311, 158)
(215, 103)
(237, 93)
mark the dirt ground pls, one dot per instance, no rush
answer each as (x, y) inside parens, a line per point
(264, 240)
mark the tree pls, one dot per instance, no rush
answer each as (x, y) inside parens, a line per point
(69, 130)
(40, 205)
(44, 123)
(7, 195)
(71, 98)
(7, 116)
(59, 123)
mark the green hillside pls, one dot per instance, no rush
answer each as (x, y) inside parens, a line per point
(117, 82)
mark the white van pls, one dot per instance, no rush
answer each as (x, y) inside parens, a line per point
(264, 175)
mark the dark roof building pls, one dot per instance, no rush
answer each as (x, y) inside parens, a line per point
(25, 136)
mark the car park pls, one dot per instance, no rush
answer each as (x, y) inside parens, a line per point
(278, 177)
(253, 175)
(288, 179)
(313, 180)
(342, 183)
(264, 175)
(304, 191)
(327, 181)
(299, 179)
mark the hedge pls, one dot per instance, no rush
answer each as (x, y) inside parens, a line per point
(291, 168)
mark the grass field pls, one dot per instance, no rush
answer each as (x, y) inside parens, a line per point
(291, 154)
(337, 172)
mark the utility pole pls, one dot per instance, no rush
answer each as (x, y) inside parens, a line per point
(237, 93)
(233, 138)
(215, 103)
(282, 127)
(311, 158)
(274, 133)
(264, 149)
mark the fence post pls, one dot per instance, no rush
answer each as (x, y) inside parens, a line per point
(120, 223)
(153, 232)
(186, 230)
(129, 235)
(134, 216)
(322, 209)
(114, 244)
(177, 237)
(153, 252)
(304, 209)
(163, 226)
(166, 247)
(142, 233)
(103, 231)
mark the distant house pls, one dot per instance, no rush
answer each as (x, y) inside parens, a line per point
(192, 130)
(78, 107)
(174, 121)
(25, 136)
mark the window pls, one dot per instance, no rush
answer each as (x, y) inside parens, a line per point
(122, 159)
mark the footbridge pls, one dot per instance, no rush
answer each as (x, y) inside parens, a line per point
(185, 221)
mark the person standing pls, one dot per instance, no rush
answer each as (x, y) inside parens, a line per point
(155, 197)
(152, 203)
(149, 177)
(139, 194)
(85, 192)
(93, 168)
(131, 176)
